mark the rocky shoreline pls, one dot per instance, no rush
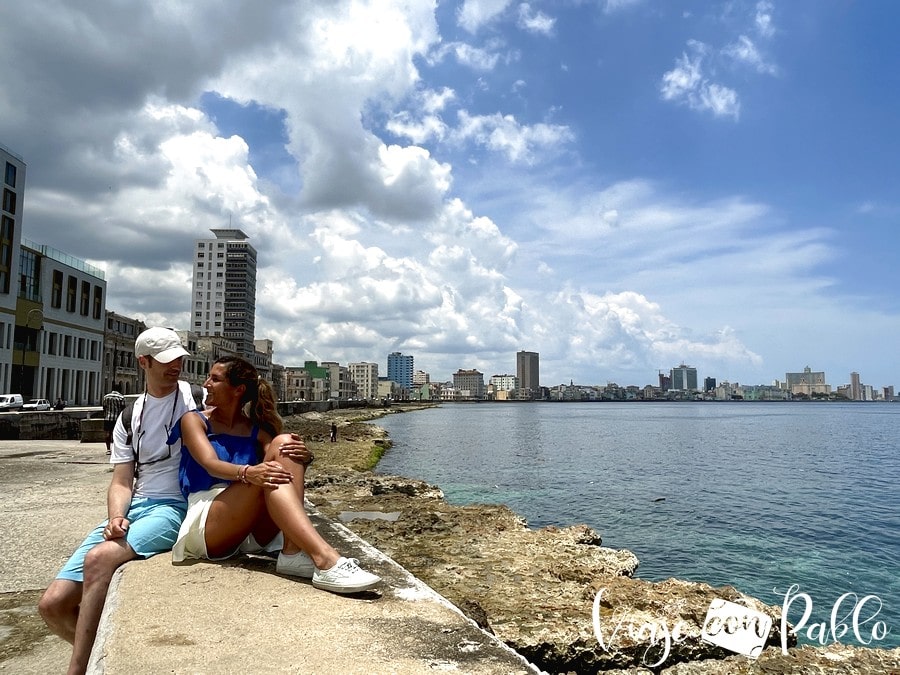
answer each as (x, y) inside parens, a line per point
(551, 594)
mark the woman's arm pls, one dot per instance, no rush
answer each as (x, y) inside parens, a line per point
(193, 434)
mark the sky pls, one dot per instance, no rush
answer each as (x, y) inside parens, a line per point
(619, 185)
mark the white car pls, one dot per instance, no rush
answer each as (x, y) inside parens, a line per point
(37, 404)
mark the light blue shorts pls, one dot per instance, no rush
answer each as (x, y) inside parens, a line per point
(152, 528)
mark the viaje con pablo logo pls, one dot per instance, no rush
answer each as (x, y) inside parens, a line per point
(743, 630)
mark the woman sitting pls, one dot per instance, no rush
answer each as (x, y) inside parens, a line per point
(234, 490)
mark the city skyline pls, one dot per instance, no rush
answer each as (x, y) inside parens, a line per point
(618, 186)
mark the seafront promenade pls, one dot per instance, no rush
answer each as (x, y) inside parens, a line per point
(211, 617)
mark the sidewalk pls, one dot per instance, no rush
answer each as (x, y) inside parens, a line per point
(233, 617)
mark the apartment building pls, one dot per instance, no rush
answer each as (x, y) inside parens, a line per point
(223, 298)
(365, 375)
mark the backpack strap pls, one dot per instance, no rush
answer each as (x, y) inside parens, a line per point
(127, 413)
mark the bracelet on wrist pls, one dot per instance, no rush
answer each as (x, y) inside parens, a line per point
(244, 473)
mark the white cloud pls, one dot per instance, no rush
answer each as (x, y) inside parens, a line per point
(745, 51)
(475, 13)
(502, 133)
(763, 20)
(611, 6)
(468, 55)
(535, 21)
(686, 84)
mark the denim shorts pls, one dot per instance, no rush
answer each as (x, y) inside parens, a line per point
(152, 528)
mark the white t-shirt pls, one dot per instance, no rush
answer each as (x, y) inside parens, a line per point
(157, 462)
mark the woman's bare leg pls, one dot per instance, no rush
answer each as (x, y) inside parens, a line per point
(234, 513)
(285, 506)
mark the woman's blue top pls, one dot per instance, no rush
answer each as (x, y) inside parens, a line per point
(235, 449)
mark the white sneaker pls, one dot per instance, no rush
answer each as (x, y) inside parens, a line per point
(345, 577)
(296, 565)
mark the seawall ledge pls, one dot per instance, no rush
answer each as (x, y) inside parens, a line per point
(240, 616)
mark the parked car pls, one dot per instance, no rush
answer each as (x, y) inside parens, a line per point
(37, 404)
(10, 401)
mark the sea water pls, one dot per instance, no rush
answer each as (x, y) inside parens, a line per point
(776, 499)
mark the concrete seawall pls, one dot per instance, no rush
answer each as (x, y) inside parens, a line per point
(237, 616)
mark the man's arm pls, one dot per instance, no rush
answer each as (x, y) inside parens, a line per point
(118, 500)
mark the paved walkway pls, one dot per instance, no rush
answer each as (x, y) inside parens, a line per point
(234, 617)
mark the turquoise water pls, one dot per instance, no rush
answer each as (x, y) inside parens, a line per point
(761, 496)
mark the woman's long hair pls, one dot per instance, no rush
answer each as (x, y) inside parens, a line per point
(258, 401)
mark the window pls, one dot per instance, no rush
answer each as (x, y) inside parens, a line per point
(29, 275)
(9, 201)
(7, 230)
(98, 302)
(11, 174)
(70, 295)
(85, 298)
(56, 291)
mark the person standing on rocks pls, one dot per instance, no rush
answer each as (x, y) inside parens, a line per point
(333, 432)
(243, 476)
(144, 501)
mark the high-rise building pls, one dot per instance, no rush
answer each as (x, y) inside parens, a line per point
(223, 301)
(400, 369)
(856, 392)
(684, 378)
(529, 372)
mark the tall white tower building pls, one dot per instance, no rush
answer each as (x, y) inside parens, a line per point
(224, 289)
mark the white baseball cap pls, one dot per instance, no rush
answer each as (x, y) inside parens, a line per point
(163, 344)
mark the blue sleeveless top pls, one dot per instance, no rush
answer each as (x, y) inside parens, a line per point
(235, 449)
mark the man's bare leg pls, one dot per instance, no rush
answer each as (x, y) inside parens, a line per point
(59, 607)
(99, 565)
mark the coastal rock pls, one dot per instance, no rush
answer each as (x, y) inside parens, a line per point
(534, 588)
(830, 660)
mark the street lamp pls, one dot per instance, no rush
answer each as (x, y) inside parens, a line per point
(31, 313)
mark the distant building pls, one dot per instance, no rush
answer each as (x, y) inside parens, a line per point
(504, 382)
(528, 370)
(684, 378)
(341, 387)
(365, 375)
(297, 384)
(709, 384)
(420, 377)
(807, 383)
(856, 393)
(120, 367)
(665, 382)
(400, 369)
(223, 298)
(470, 384)
(888, 393)
(60, 320)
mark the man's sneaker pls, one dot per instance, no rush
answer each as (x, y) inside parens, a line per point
(297, 565)
(345, 577)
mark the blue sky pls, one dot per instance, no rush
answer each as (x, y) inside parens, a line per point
(620, 185)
